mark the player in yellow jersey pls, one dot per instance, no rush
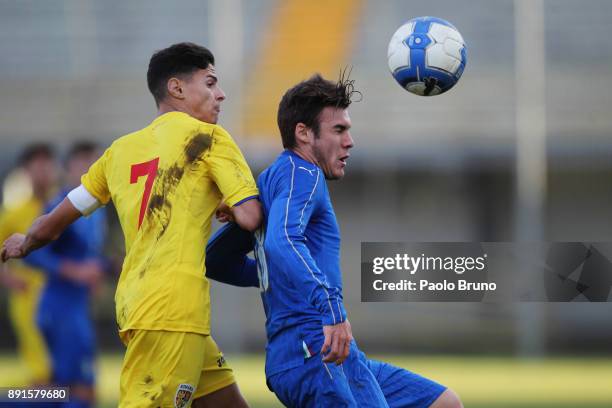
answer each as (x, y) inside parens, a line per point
(166, 182)
(25, 283)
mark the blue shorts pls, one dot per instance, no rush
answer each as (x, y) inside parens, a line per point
(359, 382)
(70, 339)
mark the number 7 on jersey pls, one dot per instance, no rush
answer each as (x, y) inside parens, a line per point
(148, 169)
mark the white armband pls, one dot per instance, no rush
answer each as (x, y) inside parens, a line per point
(83, 200)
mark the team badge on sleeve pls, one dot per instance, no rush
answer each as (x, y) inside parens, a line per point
(183, 395)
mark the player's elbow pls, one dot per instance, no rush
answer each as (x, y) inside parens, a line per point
(248, 215)
(250, 225)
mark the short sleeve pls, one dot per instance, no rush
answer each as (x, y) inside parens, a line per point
(229, 169)
(95, 181)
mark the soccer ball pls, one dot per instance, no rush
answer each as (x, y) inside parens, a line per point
(427, 56)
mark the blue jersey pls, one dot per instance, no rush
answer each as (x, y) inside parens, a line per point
(83, 240)
(298, 256)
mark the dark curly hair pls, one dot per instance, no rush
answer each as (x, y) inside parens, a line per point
(304, 102)
(180, 59)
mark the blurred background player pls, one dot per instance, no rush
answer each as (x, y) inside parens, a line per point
(74, 266)
(24, 282)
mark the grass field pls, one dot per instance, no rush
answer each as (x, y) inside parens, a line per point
(482, 382)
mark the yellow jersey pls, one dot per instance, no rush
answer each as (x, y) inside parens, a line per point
(166, 182)
(17, 220)
(24, 305)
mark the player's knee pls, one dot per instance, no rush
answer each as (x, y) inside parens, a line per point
(448, 399)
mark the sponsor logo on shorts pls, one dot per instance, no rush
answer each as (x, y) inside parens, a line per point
(183, 395)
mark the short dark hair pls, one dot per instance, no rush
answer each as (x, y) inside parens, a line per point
(81, 147)
(177, 60)
(35, 151)
(304, 102)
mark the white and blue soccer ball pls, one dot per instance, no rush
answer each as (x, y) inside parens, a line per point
(427, 56)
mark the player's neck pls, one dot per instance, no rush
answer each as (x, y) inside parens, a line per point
(165, 107)
(305, 154)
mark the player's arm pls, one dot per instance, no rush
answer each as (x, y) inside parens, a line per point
(234, 179)
(91, 194)
(46, 258)
(45, 229)
(226, 257)
(248, 214)
(50, 260)
(290, 212)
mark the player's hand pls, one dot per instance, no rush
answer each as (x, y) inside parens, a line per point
(337, 342)
(13, 247)
(224, 213)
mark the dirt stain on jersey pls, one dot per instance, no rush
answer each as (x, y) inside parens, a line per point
(159, 205)
(167, 180)
(156, 202)
(196, 146)
(174, 174)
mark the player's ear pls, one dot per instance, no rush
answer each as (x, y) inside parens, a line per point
(175, 88)
(302, 133)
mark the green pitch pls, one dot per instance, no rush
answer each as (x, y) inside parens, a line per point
(486, 382)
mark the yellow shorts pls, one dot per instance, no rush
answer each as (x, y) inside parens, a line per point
(170, 369)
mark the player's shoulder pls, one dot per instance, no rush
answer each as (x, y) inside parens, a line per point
(175, 124)
(181, 119)
(195, 128)
(219, 131)
(134, 140)
(126, 140)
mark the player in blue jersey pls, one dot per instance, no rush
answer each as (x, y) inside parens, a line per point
(74, 267)
(312, 359)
